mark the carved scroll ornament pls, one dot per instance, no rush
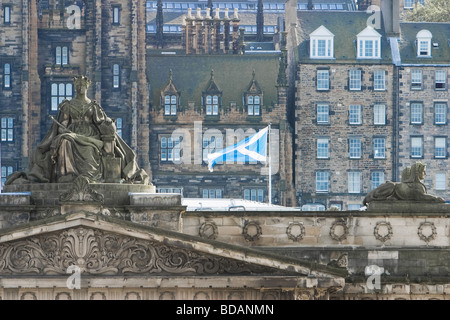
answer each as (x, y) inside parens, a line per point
(98, 252)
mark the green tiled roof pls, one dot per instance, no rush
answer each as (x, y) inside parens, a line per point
(345, 26)
(232, 74)
(408, 47)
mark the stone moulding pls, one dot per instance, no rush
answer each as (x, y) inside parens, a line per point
(295, 236)
(208, 230)
(247, 231)
(333, 230)
(104, 253)
(422, 227)
(383, 237)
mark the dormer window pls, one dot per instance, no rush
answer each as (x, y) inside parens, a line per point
(170, 97)
(423, 40)
(369, 44)
(211, 97)
(321, 44)
(253, 97)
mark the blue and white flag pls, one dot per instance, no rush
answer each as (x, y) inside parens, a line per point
(253, 148)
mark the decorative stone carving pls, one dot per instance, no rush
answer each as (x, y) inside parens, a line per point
(341, 262)
(410, 188)
(81, 192)
(339, 230)
(132, 296)
(383, 231)
(167, 295)
(295, 231)
(201, 295)
(427, 231)
(252, 231)
(98, 252)
(208, 230)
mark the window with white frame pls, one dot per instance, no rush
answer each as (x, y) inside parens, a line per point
(169, 190)
(211, 144)
(416, 79)
(354, 114)
(254, 105)
(416, 147)
(7, 76)
(423, 42)
(355, 79)
(323, 148)
(6, 171)
(170, 148)
(116, 76)
(416, 113)
(440, 147)
(379, 114)
(170, 105)
(323, 80)
(6, 14)
(7, 129)
(354, 146)
(440, 113)
(322, 181)
(440, 80)
(119, 124)
(354, 182)
(379, 148)
(321, 44)
(377, 178)
(254, 194)
(323, 111)
(379, 80)
(212, 193)
(369, 44)
(440, 181)
(212, 105)
(62, 55)
(59, 91)
(408, 4)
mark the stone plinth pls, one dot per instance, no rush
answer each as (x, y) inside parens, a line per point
(406, 206)
(12, 210)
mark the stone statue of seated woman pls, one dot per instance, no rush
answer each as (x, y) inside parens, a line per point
(82, 142)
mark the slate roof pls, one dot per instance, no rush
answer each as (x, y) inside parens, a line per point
(345, 26)
(232, 74)
(441, 36)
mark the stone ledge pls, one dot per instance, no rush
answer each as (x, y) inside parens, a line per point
(407, 206)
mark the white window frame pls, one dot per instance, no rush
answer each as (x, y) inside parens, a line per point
(379, 148)
(440, 113)
(170, 105)
(212, 105)
(416, 79)
(321, 36)
(440, 82)
(253, 194)
(440, 147)
(354, 114)
(322, 181)
(211, 144)
(323, 80)
(254, 105)
(119, 126)
(212, 193)
(62, 55)
(170, 149)
(323, 148)
(354, 182)
(379, 114)
(416, 147)
(379, 80)
(416, 113)
(116, 76)
(355, 79)
(423, 43)
(323, 113)
(116, 15)
(6, 171)
(354, 148)
(7, 76)
(7, 14)
(377, 178)
(369, 44)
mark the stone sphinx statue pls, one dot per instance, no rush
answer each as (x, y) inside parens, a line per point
(82, 142)
(410, 188)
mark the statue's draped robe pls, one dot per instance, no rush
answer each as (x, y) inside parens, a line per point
(79, 152)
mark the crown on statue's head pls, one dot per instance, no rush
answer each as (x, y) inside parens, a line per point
(82, 80)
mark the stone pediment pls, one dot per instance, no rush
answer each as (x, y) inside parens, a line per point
(107, 246)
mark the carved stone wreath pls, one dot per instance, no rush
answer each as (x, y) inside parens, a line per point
(252, 231)
(339, 236)
(208, 230)
(98, 252)
(378, 231)
(295, 231)
(423, 227)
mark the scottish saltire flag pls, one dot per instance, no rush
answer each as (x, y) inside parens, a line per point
(253, 148)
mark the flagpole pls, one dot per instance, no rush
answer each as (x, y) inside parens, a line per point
(270, 166)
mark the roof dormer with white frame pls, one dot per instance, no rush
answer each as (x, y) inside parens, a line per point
(423, 43)
(321, 44)
(368, 44)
